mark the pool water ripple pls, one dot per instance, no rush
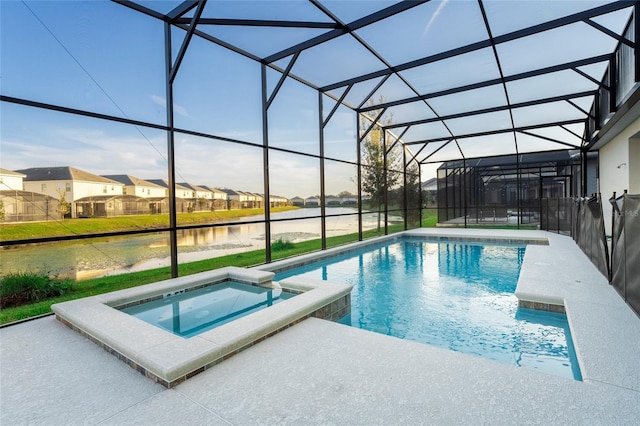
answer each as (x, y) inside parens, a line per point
(458, 296)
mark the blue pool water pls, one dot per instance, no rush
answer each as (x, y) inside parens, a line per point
(458, 296)
(191, 313)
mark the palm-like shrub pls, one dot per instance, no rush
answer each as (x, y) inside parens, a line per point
(22, 287)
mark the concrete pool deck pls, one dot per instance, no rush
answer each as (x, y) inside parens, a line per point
(170, 359)
(319, 372)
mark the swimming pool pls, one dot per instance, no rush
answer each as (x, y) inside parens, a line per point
(455, 295)
(188, 314)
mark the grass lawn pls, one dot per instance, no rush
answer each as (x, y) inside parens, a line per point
(429, 218)
(96, 225)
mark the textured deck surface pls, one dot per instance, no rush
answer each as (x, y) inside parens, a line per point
(319, 372)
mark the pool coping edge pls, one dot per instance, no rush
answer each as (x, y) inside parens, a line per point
(169, 359)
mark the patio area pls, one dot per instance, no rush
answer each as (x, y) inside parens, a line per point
(319, 372)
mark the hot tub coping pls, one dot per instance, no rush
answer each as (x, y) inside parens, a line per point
(170, 359)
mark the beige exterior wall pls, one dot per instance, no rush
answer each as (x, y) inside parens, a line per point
(73, 190)
(207, 195)
(146, 191)
(51, 188)
(183, 193)
(87, 189)
(220, 196)
(618, 168)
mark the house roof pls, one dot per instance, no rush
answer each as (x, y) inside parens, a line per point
(193, 187)
(131, 180)
(163, 183)
(6, 172)
(63, 173)
(212, 189)
(229, 191)
(430, 184)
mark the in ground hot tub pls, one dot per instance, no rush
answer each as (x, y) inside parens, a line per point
(189, 313)
(170, 358)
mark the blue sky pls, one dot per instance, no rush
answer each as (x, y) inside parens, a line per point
(81, 60)
(105, 58)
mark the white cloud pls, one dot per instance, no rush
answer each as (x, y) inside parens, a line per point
(158, 100)
(178, 109)
(92, 150)
(435, 15)
(105, 148)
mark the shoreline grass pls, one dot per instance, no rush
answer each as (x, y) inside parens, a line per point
(33, 230)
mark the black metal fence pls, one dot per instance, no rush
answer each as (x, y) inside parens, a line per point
(589, 232)
(557, 215)
(504, 189)
(625, 249)
(584, 221)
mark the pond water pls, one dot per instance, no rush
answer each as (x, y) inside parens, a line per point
(85, 259)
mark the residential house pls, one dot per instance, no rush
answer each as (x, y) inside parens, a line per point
(312, 201)
(297, 201)
(430, 191)
(138, 187)
(181, 191)
(251, 199)
(18, 205)
(11, 181)
(202, 196)
(279, 201)
(349, 201)
(153, 196)
(184, 196)
(86, 193)
(235, 199)
(219, 198)
(331, 201)
(258, 200)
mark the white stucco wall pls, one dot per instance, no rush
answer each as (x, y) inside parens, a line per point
(220, 196)
(617, 168)
(183, 193)
(146, 191)
(634, 165)
(78, 189)
(11, 182)
(87, 189)
(204, 194)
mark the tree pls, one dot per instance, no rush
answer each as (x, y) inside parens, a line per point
(380, 171)
(64, 207)
(413, 190)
